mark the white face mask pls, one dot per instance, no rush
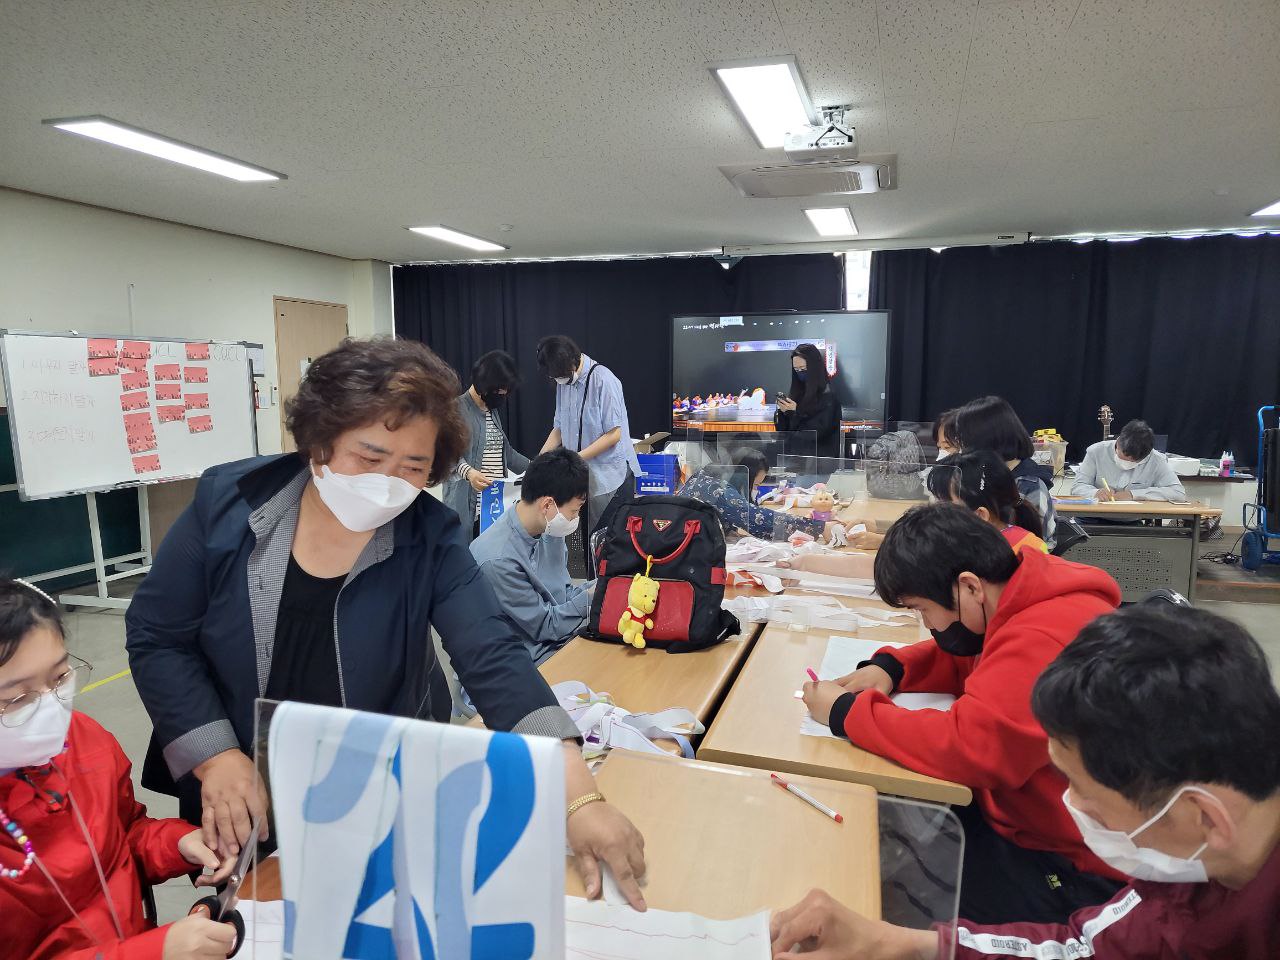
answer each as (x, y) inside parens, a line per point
(560, 525)
(1127, 465)
(563, 381)
(1117, 850)
(943, 454)
(40, 739)
(364, 501)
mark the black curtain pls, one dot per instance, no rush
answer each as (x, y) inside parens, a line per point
(618, 311)
(1183, 333)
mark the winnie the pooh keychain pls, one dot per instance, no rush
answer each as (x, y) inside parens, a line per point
(642, 600)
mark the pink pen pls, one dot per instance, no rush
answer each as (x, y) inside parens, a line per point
(812, 676)
(795, 791)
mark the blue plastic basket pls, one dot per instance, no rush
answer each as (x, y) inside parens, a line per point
(659, 476)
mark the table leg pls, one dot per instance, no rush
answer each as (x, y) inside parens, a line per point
(1195, 558)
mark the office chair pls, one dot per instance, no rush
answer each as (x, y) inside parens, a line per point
(1166, 595)
(1066, 534)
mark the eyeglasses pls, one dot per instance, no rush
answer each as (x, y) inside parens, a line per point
(16, 712)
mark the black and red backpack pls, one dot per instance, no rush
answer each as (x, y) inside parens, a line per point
(680, 542)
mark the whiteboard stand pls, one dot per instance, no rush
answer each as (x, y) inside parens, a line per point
(125, 568)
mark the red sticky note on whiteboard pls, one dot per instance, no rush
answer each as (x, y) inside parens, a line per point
(170, 412)
(196, 374)
(201, 424)
(197, 401)
(103, 366)
(134, 401)
(168, 391)
(197, 351)
(132, 364)
(168, 371)
(136, 349)
(140, 432)
(130, 380)
(99, 349)
(147, 463)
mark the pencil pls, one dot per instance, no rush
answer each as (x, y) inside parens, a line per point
(796, 791)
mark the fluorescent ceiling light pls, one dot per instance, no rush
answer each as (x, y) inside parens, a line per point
(832, 221)
(123, 135)
(769, 96)
(1269, 211)
(449, 235)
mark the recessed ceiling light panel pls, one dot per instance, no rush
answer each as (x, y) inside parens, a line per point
(768, 94)
(153, 144)
(449, 235)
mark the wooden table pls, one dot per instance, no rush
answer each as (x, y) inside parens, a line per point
(1142, 558)
(724, 841)
(648, 680)
(759, 723)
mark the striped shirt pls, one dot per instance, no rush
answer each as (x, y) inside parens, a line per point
(491, 463)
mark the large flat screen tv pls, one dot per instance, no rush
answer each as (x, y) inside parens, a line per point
(730, 369)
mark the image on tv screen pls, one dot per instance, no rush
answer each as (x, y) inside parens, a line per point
(732, 368)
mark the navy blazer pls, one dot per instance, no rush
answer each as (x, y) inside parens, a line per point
(201, 625)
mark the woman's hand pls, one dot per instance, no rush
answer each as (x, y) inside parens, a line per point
(479, 480)
(598, 832)
(198, 938)
(823, 929)
(195, 851)
(232, 798)
(786, 405)
(869, 677)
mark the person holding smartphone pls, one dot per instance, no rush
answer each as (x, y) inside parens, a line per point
(811, 404)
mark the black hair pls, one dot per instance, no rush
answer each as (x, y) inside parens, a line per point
(495, 370)
(23, 608)
(989, 423)
(558, 356)
(928, 548)
(807, 394)
(1156, 696)
(944, 426)
(560, 474)
(753, 460)
(1136, 439)
(981, 479)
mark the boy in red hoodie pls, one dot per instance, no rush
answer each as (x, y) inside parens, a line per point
(1163, 719)
(73, 839)
(997, 621)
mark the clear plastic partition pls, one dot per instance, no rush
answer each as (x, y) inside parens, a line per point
(726, 488)
(921, 855)
(730, 447)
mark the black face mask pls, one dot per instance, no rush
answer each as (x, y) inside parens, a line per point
(493, 400)
(957, 639)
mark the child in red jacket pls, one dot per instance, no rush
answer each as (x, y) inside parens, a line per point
(73, 839)
(1163, 719)
(997, 620)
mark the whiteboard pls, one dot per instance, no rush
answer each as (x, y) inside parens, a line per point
(101, 413)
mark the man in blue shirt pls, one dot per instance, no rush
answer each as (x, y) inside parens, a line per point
(591, 418)
(524, 559)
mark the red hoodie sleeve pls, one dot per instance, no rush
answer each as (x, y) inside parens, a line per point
(145, 946)
(154, 843)
(926, 669)
(988, 739)
(1127, 928)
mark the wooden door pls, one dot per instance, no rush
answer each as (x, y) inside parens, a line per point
(305, 329)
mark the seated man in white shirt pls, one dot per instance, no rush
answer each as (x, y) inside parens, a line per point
(1127, 468)
(524, 559)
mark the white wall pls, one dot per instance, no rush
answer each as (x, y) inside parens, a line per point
(65, 266)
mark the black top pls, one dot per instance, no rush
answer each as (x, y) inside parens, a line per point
(823, 420)
(304, 660)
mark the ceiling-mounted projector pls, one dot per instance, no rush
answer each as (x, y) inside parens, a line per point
(832, 139)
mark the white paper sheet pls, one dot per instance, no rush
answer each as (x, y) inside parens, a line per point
(263, 929)
(843, 656)
(595, 930)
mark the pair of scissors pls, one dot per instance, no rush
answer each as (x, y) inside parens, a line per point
(222, 907)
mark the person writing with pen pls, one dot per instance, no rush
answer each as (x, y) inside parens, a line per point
(318, 577)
